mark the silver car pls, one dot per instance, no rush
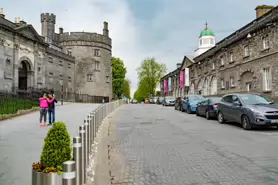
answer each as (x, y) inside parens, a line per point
(248, 109)
(169, 101)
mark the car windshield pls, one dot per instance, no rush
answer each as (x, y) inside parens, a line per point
(252, 99)
(195, 98)
(170, 98)
(215, 100)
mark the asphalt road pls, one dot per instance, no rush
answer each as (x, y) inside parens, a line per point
(21, 141)
(155, 145)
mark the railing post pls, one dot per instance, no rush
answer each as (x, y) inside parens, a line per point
(89, 134)
(77, 154)
(92, 129)
(83, 156)
(69, 173)
(86, 141)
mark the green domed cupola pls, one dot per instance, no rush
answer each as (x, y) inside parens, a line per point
(207, 32)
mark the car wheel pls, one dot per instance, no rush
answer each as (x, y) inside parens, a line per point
(197, 113)
(220, 118)
(188, 110)
(246, 123)
(207, 115)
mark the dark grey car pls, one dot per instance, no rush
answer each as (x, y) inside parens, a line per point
(248, 109)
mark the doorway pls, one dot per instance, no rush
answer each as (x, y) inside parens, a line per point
(23, 75)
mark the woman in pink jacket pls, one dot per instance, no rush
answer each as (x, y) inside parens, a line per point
(43, 109)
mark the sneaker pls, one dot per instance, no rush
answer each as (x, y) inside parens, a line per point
(45, 124)
(50, 124)
(41, 124)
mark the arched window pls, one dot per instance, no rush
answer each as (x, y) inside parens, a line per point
(201, 42)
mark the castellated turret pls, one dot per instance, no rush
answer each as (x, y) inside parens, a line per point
(92, 52)
(48, 22)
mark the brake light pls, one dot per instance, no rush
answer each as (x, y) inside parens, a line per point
(215, 106)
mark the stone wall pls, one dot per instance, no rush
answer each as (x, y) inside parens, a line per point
(93, 55)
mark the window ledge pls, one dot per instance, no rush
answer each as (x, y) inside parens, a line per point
(222, 88)
(97, 69)
(222, 65)
(265, 50)
(232, 87)
(231, 62)
(213, 69)
(267, 91)
(246, 57)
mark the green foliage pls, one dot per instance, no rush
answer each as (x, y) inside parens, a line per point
(57, 146)
(158, 93)
(126, 88)
(118, 76)
(150, 72)
(12, 105)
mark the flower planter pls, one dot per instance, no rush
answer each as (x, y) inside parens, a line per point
(39, 178)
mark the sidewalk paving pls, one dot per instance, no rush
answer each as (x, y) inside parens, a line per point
(22, 139)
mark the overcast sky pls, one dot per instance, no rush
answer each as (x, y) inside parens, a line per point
(164, 29)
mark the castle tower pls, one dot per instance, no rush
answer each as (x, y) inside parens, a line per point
(48, 25)
(206, 41)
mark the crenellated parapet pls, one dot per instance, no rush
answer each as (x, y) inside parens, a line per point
(47, 17)
(85, 39)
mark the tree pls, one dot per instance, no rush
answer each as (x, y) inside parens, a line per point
(151, 72)
(118, 76)
(143, 90)
(157, 93)
(126, 88)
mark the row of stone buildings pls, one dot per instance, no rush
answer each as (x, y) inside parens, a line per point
(245, 61)
(77, 62)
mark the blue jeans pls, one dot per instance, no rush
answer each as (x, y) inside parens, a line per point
(51, 116)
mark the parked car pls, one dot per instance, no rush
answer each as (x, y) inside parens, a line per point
(208, 107)
(133, 101)
(178, 103)
(249, 110)
(159, 100)
(155, 100)
(189, 103)
(168, 101)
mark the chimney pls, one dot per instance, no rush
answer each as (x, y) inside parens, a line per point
(2, 12)
(178, 65)
(17, 20)
(61, 30)
(263, 9)
(105, 29)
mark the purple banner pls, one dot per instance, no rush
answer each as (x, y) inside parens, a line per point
(182, 79)
(165, 86)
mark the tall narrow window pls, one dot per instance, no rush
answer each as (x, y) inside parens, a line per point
(231, 57)
(222, 83)
(96, 52)
(97, 67)
(213, 65)
(222, 61)
(232, 82)
(248, 87)
(246, 51)
(265, 43)
(266, 79)
(89, 77)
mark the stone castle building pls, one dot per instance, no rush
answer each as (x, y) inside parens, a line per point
(245, 61)
(77, 62)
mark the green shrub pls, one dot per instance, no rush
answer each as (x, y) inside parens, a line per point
(57, 146)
